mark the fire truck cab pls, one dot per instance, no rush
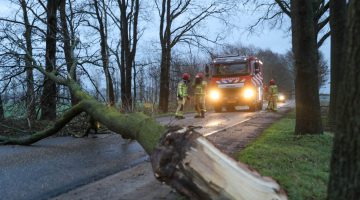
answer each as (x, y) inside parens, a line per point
(235, 81)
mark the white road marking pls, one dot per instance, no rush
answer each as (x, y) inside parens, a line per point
(207, 134)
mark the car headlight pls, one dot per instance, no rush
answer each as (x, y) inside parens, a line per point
(249, 93)
(281, 97)
(214, 95)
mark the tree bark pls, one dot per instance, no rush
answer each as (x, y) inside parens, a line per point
(164, 81)
(2, 113)
(104, 53)
(338, 28)
(48, 98)
(30, 92)
(345, 172)
(67, 40)
(308, 119)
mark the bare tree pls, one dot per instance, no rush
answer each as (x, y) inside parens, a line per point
(277, 11)
(101, 17)
(129, 15)
(344, 175)
(68, 40)
(48, 98)
(307, 17)
(16, 62)
(30, 93)
(308, 119)
(323, 70)
(172, 32)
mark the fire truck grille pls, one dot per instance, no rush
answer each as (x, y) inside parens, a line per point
(231, 92)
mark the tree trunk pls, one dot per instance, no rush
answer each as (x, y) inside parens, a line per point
(338, 28)
(195, 168)
(48, 98)
(67, 40)
(308, 119)
(345, 172)
(2, 113)
(119, 57)
(129, 31)
(134, 87)
(30, 92)
(164, 81)
(181, 157)
(165, 40)
(105, 54)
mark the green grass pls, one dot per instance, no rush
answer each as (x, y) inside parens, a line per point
(299, 163)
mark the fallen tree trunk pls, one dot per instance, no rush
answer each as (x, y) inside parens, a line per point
(193, 166)
(181, 157)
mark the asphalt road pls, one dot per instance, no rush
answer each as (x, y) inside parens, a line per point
(213, 122)
(55, 166)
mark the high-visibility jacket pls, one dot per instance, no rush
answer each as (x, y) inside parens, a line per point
(273, 90)
(200, 89)
(182, 89)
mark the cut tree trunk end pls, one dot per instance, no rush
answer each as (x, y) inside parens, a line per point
(188, 162)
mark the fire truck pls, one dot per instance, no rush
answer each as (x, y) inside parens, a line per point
(235, 81)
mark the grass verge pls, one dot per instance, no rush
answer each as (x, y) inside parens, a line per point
(299, 163)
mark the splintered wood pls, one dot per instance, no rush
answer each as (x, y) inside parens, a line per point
(196, 168)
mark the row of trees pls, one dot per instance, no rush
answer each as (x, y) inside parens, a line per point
(67, 22)
(113, 31)
(96, 34)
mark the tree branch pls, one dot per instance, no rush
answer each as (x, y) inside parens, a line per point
(59, 124)
(284, 7)
(322, 24)
(323, 38)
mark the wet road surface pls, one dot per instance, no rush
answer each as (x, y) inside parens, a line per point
(56, 165)
(213, 122)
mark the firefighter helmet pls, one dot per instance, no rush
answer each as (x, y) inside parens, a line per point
(272, 82)
(186, 76)
(199, 75)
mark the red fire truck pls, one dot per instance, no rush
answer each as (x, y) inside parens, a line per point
(235, 81)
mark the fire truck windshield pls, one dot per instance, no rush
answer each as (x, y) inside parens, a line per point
(231, 69)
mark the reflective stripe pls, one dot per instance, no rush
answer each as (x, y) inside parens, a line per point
(182, 89)
(273, 90)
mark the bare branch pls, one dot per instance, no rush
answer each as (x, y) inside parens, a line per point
(284, 7)
(323, 38)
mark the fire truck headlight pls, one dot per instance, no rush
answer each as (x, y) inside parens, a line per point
(281, 97)
(249, 93)
(214, 95)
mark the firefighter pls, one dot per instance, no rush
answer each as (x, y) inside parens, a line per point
(272, 96)
(182, 95)
(199, 94)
